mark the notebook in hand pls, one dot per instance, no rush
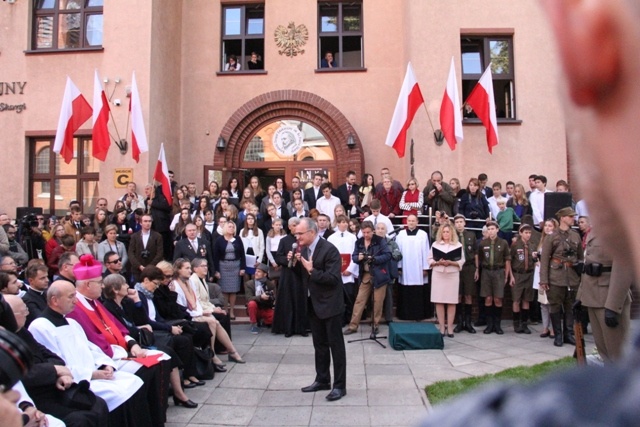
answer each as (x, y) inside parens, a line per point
(454, 255)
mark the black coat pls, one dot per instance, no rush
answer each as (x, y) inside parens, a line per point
(343, 194)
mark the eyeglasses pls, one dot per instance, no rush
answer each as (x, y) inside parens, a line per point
(301, 233)
(168, 276)
(115, 261)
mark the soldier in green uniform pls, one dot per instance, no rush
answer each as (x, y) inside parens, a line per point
(495, 258)
(522, 266)
(561, 251)
(469, 274)
(605, 290)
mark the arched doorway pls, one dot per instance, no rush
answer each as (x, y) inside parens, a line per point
(325, 131)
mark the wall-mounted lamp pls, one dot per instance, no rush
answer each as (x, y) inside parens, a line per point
(221, 144)
(351, 141)
(439, 137)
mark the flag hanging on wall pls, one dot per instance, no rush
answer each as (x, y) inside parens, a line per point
(74, 112)
(139, 142)
(100, 134)
(408, 103)
(483, 104)
(450, 114)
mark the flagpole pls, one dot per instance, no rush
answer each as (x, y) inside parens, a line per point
(412, 159)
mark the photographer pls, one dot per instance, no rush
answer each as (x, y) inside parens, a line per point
(373, 255)
(145, 247)
(132, 199)
(439, 195)
(15, 249)
(260, 296)
(30, 236)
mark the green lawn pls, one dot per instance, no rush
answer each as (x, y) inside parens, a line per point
(443, 390)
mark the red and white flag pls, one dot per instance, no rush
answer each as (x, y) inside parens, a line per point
(161, 174)
(74, 112)
(100, 135)
(139, 142)
(483, 104)
(408, 103)
(450, 115)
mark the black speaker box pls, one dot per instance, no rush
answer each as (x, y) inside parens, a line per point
(553, 202)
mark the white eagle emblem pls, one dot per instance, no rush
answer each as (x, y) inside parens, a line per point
(291, 39)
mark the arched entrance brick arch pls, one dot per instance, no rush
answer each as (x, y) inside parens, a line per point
(291, 104)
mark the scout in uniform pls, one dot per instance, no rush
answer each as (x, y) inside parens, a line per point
(495, 258)
(522, 266)
(469, 274)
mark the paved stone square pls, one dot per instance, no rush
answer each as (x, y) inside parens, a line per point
(385, 387)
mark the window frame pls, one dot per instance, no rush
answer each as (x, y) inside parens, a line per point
(85, 12)
(485, 38)
(340, 33)
(53, 178)
(242, 37)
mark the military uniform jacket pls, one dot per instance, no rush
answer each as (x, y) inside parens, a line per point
(610, 290)
(469, 245)
(501, 253)
(559, 251)
(518, 256)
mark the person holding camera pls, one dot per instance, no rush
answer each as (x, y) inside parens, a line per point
(560, 252)
(261, 298)
(145, 247)
(372, 254)
(439, 195)
(132, 199)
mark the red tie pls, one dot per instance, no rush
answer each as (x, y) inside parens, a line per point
(349, 188)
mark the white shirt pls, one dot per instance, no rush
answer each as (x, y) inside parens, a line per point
(345, 242)
(145, 237)
(536, 199)
(380, 218)
(328, 206)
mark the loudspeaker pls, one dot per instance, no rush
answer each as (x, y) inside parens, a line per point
(553, 202)
(20, 212)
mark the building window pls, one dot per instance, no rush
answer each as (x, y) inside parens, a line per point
(340, 33)
(53, 183)
(242, 35)
(477, 53)
(67, 24)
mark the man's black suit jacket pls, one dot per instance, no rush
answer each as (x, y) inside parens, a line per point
(325, 282)
(343, 194)
(183, 249)
(310, 197)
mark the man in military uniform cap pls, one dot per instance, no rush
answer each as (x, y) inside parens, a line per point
(561, 252)
(469, 274)
(606, 290)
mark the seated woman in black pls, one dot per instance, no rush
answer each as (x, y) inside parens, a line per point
(124, 303)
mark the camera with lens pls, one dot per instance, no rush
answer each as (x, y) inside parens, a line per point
(15, 359)
(145, 254)
(268, 303)
(569, 252)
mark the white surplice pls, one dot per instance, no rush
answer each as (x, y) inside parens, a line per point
(415, 250)
(83, 357)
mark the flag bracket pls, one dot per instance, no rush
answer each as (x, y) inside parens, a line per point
(123, 146)
(439, 137)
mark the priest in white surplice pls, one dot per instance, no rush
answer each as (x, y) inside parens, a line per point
(413, 295)
(86, 361)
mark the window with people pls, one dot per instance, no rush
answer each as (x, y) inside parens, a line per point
(242, 37)
(340, 35)
(67, 24)
(477, 53)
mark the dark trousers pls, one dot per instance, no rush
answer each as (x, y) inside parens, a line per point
(328, 342)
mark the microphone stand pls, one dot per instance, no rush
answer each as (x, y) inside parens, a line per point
(373, 336)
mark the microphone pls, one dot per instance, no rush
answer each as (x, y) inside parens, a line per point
(294, 248)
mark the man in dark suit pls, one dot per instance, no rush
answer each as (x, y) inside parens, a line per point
(313, 193)
(36, 296)
(318, 265)
(192, 247)
(349, 187)
(145, 247)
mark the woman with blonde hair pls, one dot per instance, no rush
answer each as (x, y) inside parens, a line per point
(446, 258)
(548, 227)
(187, 298)
(412, 200)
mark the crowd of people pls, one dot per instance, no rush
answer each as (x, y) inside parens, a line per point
(154, 274)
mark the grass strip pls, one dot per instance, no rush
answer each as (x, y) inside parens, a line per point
(443, 390)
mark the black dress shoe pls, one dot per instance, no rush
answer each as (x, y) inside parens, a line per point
(287, 335)
(219, 368)
(188, 385)
(304, 334)
(186, 403)
(316, 386)
(197, 383)
(336, 394)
